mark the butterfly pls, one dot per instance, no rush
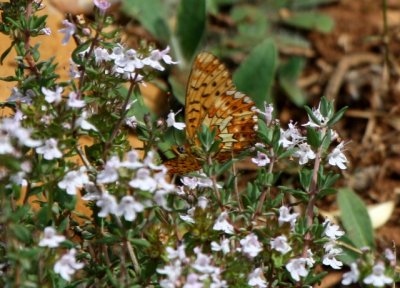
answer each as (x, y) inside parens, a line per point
(213, 101)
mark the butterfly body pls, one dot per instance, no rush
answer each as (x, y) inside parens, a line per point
(213, 101)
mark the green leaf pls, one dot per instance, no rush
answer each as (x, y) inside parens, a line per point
(76, 53)
(337, 116)
(313, 137)
(6, 52)
(288, 76)
(191, 26)
(256, 74)
(355, 219)
(151, 14)
(311, 21)
(140, 242)
(21, 232)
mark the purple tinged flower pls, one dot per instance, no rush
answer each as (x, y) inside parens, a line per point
(50, 238)
(261, 160)
(251, 247)
(297, 268)
(192, 281)
(202, 202)
(5, 145)
(101, 55)
(330, 260)
(203, 262)
(45, 31)
(73, 181)
(129, 207)
(103, 5)
(268, 108)
(280, 244)
(222, 224)
(69, 30)
(67, 265)
(143, 181)
(108, 205)
(110, 172)
(131, 122)
(49, 150)
(378, 278)
(286, 216)
(179, 253)
(304, 153)
(74, 102)
(190, 182)
(17, 96)
(257, 279)
(337, 157)
(352, 276)
(332, 231)
(52, 96)
(132, 160)
(223, 246)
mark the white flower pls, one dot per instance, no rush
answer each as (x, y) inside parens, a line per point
(192, 281)
(297, 268)
(304, 153)
(309, 259)
(190, 182)
(69, 30)
(290, 137)
(251, 247)
(261, 160)
(46, 31)
(337, 158)
(202, 202)
(129, 208)
(222, 224)
(155, 56)
(108, 205)
(83, 123)
(330, 260)
(173, 273)
(280, 244)
(317, 113)
(143, 181)
(131, 122)
(332, 231)
(101, 54)
(351, 276)
(74, 102)
(187, 218)
(49, 150)
(110, 173)
(172, 123)
(257, 279)
(52, 96)
(132, 160)
(203, 262)
(378, 277)
(179, 253)
(268, 108)
(224, 246)
(24, 137)
(285, 216)
(5, 144)
(66, 266)
(50, 238)
(74, 180)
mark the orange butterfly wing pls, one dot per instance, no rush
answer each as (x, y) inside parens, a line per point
(212, 100)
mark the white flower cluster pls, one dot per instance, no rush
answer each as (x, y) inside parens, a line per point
(127, 63)
(67, 265)
(190, 272)
(333, 232)
(147, 177)
(293, 139)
